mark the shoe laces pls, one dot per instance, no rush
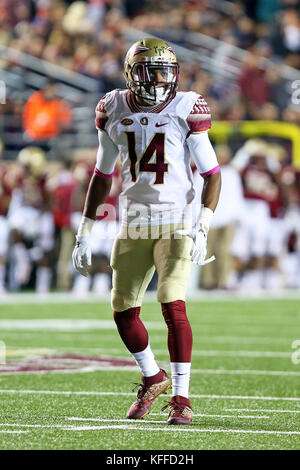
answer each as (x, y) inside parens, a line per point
(141, 390)
(174, 405)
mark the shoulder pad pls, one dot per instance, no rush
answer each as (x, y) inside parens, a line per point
(105, 108)
(199, 118)
(101, 114)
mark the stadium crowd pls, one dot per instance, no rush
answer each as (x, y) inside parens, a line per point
(255, 234)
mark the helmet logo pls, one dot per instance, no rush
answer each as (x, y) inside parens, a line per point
(159, 50)
(140, 49)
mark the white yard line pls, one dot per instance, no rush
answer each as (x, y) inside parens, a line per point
(66, 324)
(126, 394)
(175, 429)
(167, 428)
(251, 410)
(8, 431)
(205, 353)
(201, 295)
(134, 368)
(246, 372)
(160, 414)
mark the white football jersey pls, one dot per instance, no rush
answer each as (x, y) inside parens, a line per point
(155, 146)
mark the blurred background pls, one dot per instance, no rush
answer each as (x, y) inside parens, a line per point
(59, 57)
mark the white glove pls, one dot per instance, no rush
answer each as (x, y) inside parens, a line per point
(82, 255)
(198, 252)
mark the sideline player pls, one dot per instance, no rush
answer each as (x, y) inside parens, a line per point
(155, 130)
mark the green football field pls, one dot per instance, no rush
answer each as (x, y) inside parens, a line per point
(67, 381)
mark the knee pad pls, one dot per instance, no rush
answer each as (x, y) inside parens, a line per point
(122, 301)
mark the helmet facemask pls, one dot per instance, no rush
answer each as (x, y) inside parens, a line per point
(154, 82)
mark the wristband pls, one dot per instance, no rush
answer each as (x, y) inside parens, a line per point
(85, 227)
(206, 215)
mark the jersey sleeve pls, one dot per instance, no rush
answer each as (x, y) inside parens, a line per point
(107, 155)
(101, 114)
(199, 119)
(203, 153)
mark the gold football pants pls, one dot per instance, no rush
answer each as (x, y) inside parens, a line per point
(134, 262)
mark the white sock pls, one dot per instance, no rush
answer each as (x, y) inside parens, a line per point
(22, 267)
(181, 372)
(43, 279)
(2, 279)
(146, 362)
(273, 279)
(20, 252)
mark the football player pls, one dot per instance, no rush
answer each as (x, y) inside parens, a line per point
(31, 222)
(155, 130)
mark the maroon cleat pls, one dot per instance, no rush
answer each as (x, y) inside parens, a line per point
(180, 410)
(147, 393)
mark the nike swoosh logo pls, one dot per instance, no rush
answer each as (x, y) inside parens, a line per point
(159, 125)
(180, 374)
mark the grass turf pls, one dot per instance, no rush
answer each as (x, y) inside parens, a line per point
(244, 386)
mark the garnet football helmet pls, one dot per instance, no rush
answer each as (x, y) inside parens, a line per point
(151, 71)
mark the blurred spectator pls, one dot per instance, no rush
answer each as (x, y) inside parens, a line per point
(62, 187)
(5, 196)
(45, 115)
(252, 81)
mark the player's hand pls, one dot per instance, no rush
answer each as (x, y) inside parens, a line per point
(82, 255)
(199, 249)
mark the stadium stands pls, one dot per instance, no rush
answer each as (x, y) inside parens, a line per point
(242, 56)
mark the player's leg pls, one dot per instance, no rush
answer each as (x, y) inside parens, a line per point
(4, 234)
(45, 244)
(256, 225)
(133, 268)
(172, 261)
(277, 234)
(209, 273)
(21, 220)
(224, 266)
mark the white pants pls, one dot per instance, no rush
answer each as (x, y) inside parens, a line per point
(250, 239)
(4, 233)
(34, 224)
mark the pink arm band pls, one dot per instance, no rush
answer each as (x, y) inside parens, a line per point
(211, 172)
(103, 175)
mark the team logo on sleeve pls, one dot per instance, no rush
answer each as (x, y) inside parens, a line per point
(127, 122)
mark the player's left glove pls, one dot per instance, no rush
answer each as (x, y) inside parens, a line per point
(82, 255)
(199, 237)
(199, 250)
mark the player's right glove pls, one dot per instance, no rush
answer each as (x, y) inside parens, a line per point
(82, 255)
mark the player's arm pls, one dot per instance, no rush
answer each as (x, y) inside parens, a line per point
(199, 122)
(97, 194)
(207, 164)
